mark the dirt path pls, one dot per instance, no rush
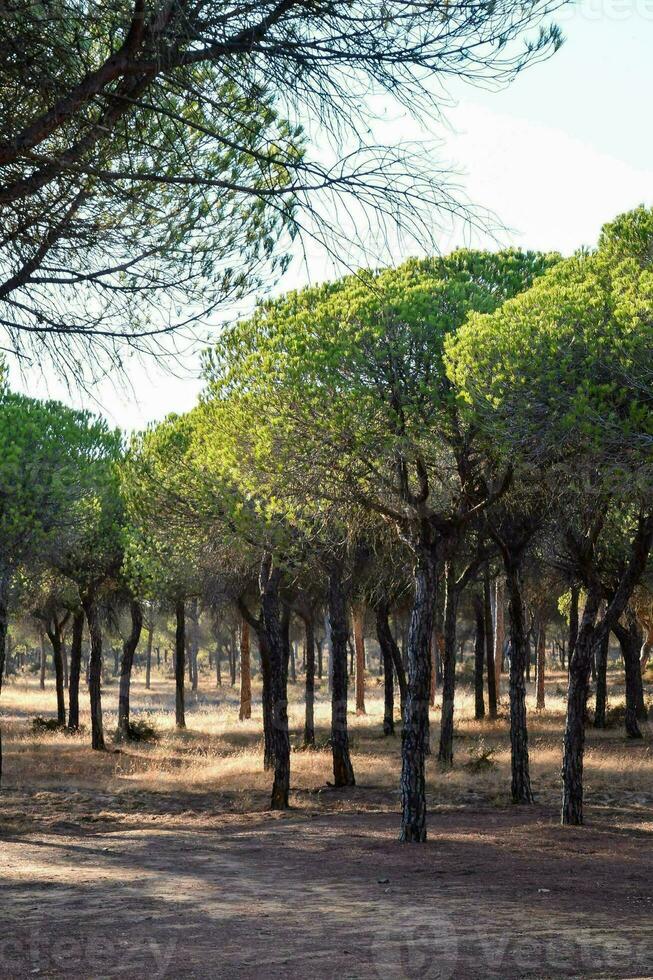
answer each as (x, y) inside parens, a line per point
(494, 893)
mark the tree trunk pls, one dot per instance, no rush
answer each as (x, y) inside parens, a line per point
(519, 653)
(343, 773)
(479, 657)
(269, 580)
(218, 666)
(391, 657)
(245, 673)
(630, 641)
(573, 622)
(309, 720)
(415, 730)
(445, 751)
(126, 665)
(64, 663)
(43, 663)
(359, 647)
(193, 645)
(499, 633)
(489, 645)
(57, 660)
(89, 604)
(320, 665)
(601, 704)
(540, 668)
(180, 665)
(75, 670)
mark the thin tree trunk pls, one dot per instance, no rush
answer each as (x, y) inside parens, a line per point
(601, 703)
(75, 670)
(89, 604)
(573, 622)
(415, 731)
(390, 658)
(64, 663)
(479, 657)
(519, 653)
(343, 773)
(320, 664)
(499, 633)
(43, 662)
(445, 751)
(245, 673)
(489, 645)
(540, 666)
(57, 660)
(126, 665)
(180, 666)
(359, 647)
(218, 666)
(309, 719)
(4, 617)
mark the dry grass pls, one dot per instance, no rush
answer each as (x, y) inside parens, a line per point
(217, 762)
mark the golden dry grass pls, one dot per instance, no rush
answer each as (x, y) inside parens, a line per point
(219, 758)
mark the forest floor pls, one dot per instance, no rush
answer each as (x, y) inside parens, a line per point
(161, 859)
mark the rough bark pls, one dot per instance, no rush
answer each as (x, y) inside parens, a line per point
(126, 664)
(343, 772)
(89, 604)
(479, 657)
(269, 582)
(358, 619)
(519, 650)
(245, 711)
(445, 751)
(573, 622)
(75, 670)
(415, 729)
(180, 665)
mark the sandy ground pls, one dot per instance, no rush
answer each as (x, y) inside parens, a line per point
(163, 861)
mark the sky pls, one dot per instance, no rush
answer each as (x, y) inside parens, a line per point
(563, 149)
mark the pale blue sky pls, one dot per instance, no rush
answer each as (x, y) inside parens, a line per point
(562, 150)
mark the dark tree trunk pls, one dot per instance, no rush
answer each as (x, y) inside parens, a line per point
(126, 665)
(245, 711)
(320, 666)
(540, 668)
(586, 640)
(391, 657)
(343, 773)
(479, 657)
(180, 666)
(573, 622)
(89, 604)
(519, 654)
(492, 670)
(309, 720)
(270, 578)
(218, 665)
(75, 670)
(445, 751)
(266, 698)
(601, 704)
(630, 641)
(57, 659)
(415, 730)
(231, 653)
